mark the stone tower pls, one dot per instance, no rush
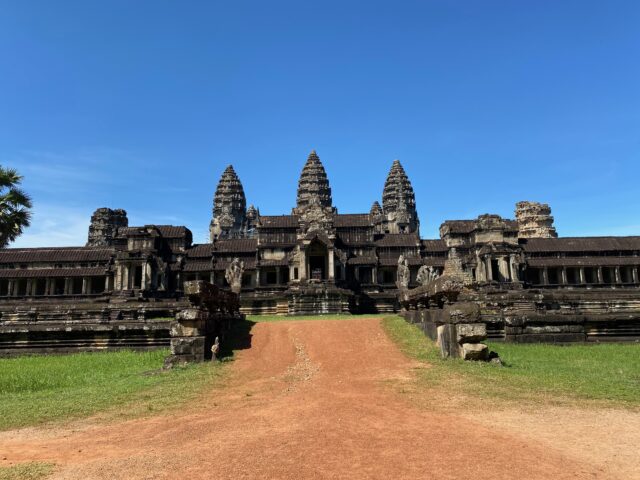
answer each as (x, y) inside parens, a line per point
(399, 202)
(104, 226)
(229, 208)
(535, 220)
(313, 186)
(253, 219)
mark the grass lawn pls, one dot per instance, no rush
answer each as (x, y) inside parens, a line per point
(597, 373)
(287, 318)
(40, 389)
(26, 471)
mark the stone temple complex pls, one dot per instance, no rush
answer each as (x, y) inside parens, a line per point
(117, 288)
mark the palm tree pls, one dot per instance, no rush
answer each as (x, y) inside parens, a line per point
(15, 215)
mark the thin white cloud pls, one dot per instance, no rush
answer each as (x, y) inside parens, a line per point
(55, 226)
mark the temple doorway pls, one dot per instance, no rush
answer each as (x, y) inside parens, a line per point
(318, 258)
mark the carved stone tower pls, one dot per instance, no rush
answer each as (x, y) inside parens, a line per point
(399, 202)
(313, 186)
(535, 220)
(229, 208)
(104, 226)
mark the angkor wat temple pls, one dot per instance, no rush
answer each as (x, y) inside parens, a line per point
(314, 260)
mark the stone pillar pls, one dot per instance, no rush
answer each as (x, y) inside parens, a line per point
(85, 285)
(504, 269)
(332, 269)
(513, 266)
(374, 274)
(600, 277)
(67, 286)
(618, 278)
(583, 278)
(487, 262)
(126, 277)
(212, 278)
(11, 288)
(545, 275)
(108, 283)
(634, 273)
(29, 291)
(563, 275)
(144, 282)
(118, 278)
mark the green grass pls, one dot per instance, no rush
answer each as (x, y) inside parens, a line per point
(597, 373)
(287, 318)
(40, 389)
(26, 471)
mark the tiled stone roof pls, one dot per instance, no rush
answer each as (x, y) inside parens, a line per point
(200, 251)
(352, 220)
(52, 272)
(581, 244)
(279, 221)
(398, 240)
(198, 266)
(434, 246)
(236, 245)
(56, 254)
(596, 261)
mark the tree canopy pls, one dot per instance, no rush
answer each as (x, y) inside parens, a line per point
(15, 206)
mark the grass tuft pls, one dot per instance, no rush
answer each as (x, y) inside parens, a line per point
(26, 471)
(290, 318)
(599, 373)
(39, 389)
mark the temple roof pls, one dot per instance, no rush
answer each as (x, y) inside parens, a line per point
(595, 261)
(435, 245)
(581, 244)
(229, 201)
(398, 240)
(201, 250)
(279, 221)
(53, 272)
(398, 192)
(313, 186)
(236, 245)
(56, 254)
(352, 220)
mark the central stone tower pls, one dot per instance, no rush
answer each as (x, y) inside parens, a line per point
(313, 186)
(399, 202)
(229, 208)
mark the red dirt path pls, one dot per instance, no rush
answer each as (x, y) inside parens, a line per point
(309, 399)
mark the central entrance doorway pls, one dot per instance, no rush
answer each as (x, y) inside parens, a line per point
(318, 258)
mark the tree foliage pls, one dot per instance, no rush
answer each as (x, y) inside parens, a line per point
(15, 205)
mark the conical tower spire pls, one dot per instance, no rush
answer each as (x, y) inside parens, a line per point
(399, 201)
(229, 207)
(313, 186)
(376, 209)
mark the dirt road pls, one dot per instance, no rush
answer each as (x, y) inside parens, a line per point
(309, 399)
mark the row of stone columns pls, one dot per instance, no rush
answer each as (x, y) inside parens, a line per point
(582, 275)
(507, 268)
(125, 276)
(31, 287)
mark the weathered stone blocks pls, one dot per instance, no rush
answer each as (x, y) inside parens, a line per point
(471, 332)
(188, 346)
(474, 351)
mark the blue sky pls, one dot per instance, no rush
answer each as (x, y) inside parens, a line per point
(141, 105)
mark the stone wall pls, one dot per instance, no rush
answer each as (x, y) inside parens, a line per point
(203, 323)
(522, 316)
(84, 325)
